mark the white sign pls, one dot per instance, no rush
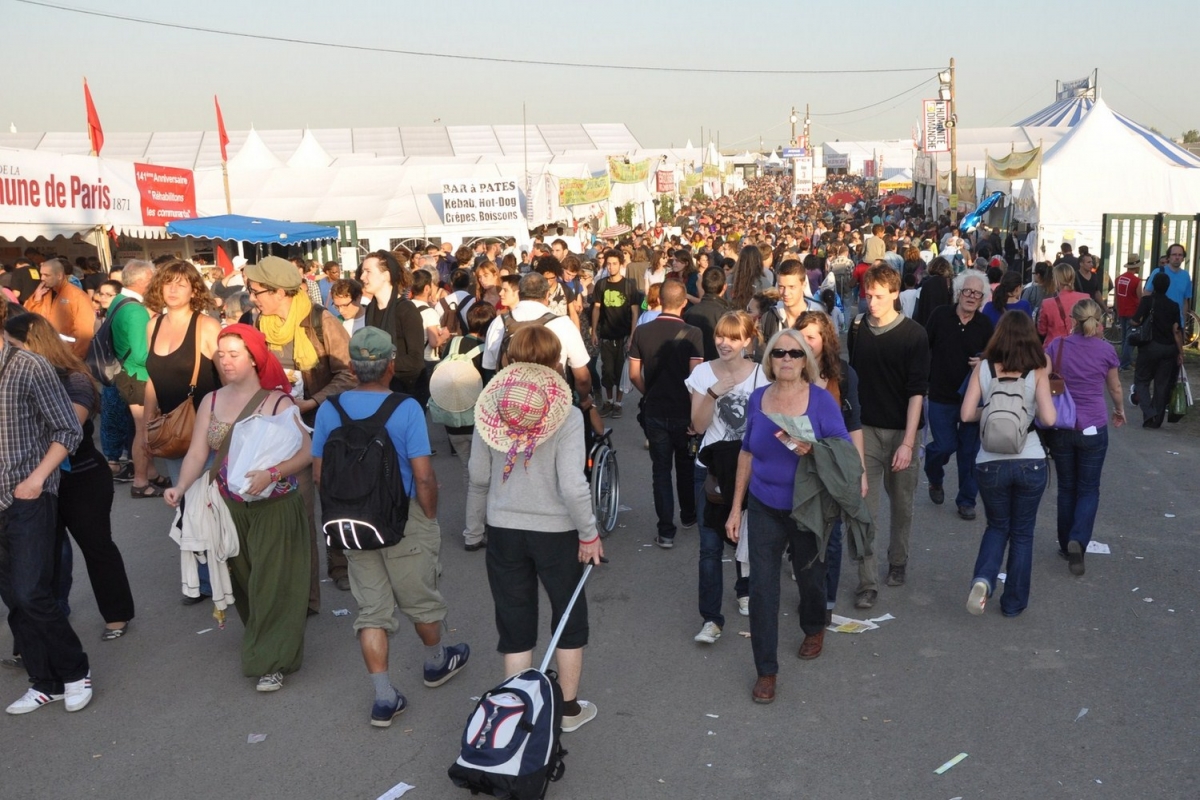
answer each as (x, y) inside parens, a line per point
(802, 175)
(935, 114)
(836, 161)
(820, 175)
(480, 202)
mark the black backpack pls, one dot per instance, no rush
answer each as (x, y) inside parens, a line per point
(102, 360)
(511, 326)
(363, 502)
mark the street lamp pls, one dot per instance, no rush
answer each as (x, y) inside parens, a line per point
(794, 119)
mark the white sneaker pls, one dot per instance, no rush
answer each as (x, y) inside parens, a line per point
(32, 700)
(978, 598)
(709, 633)
(744, 606)
(79, 693)
(270, 683)
(587, 713)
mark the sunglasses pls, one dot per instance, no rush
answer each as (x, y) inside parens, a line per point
(779, 352)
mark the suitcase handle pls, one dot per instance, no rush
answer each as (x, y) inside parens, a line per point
(562, 623)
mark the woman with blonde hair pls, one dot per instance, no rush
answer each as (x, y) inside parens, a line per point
(765, 484)
(85, 491)
(1054, 318)
(1088, 365)
(720, 390)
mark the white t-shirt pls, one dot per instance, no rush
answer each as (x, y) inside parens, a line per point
(908, 301)
(729, 414)
(574, 353)
(353, 326)
(430, 318)
(1033, 444)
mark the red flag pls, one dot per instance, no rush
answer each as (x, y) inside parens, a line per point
(95, 132)
(222, 136)
(223, 261)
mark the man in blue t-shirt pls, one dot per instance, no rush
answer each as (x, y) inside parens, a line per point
(1181, 281)
(404, 574)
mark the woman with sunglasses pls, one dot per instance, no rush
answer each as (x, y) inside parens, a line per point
(767, 468)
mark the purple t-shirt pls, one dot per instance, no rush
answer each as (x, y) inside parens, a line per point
(773, 476)
(1084, 368)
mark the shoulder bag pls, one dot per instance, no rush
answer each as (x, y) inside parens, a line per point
(1064, 404)
(170, 435)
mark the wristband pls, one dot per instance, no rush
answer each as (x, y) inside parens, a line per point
(274, 473)
(713, 394)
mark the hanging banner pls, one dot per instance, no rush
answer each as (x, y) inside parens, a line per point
(664, 181)
(1084, 87)
(49, 189)
(621, 171)
(836, 161)
(934, 115)
(480, 202)
(689, 183)
(967, 198)
(581, 191)
(802, 177)
(868, 170)
(1015, 166)
(712, 171)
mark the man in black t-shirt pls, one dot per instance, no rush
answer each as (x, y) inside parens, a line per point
(1088, 280)
(661, 356)
(712, 307)
(614, 315)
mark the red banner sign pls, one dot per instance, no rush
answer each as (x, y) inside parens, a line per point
(664, 181)
(168, 193)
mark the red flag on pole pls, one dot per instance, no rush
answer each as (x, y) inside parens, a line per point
(222, 136)
(223, 261)
(95, 132)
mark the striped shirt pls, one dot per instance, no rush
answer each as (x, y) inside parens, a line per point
(34, 411)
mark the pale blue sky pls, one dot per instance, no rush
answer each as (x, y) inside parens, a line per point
(1008, 58)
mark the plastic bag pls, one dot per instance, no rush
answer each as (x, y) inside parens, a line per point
(261, 441)
(1177, 406)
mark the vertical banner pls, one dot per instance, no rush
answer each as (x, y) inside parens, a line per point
(802, 176)
(869, 169)
(664, 181)
(935, 114)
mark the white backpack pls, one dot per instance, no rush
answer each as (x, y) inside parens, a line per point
(1004, 424)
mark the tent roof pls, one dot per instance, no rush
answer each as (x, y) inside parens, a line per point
(232, 227)
(1104, 125)
(200, 149)
(1061, 113)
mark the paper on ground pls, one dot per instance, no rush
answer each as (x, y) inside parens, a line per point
(847, 625)
(396, 791)
(884, 618)
(255, 738)
(950, 763)
(1098, 547)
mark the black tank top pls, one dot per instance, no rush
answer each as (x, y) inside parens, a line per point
(172, 373)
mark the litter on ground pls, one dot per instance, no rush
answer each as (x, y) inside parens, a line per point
(942, 769)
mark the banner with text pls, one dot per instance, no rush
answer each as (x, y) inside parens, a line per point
(621, 171)
(802, 184)
(581, 191)
(480, 202)
(1084, 87)
(664, 181)
(836, 160)
(50, 189)
(935, 114)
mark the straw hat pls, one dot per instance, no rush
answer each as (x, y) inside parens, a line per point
(455, 385)
(522, 406)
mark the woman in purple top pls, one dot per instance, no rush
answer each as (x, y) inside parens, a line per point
(1088, 365)
(767, 466)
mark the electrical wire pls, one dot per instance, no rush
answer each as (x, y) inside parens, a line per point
(881, 102)
(460, 57)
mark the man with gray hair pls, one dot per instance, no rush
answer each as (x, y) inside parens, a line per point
(129, 322)
(403, 575)
(64, 305)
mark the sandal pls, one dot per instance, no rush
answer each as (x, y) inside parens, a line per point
(162, 482)
(109, 634)
(149, 490)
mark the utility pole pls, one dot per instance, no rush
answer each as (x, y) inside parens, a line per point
(807, 126)
(952, 123)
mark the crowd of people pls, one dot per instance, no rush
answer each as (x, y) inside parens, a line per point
(792, 364)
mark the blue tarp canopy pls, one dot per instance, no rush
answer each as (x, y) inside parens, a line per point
(232, 227)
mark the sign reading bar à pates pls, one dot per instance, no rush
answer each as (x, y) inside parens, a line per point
(480, 202)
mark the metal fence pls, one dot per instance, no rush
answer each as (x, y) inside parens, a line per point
(1149, 236)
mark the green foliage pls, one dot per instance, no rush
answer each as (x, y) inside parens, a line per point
(625, 215)
(666, 209)
(1191, 137)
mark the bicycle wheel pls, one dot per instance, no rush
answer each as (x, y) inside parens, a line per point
(1112, 328)
(1191, 331)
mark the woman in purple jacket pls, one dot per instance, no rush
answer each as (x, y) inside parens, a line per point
(767, 467)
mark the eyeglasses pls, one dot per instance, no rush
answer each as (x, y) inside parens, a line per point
(971, 293)
(779, 352)
(254, 293)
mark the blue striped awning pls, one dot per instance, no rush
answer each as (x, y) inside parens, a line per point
(1064, 113)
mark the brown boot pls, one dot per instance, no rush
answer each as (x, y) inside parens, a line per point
(810, 648)
(764, 689)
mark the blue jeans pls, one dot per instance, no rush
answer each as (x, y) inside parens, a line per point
(770, 531)
(1011, 491)
(712, 548)
(1079, 460)
(951, 436)
(669, 444)
(41, 633)
(1126, 347)
(833, 564)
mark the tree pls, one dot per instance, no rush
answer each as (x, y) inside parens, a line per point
(1191, 137)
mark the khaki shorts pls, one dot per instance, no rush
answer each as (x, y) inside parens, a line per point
(403, 576)
(132, 391)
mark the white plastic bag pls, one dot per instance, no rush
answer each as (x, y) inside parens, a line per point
(742, 554)
(259, 442)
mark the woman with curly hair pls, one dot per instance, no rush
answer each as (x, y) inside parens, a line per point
(749, 276)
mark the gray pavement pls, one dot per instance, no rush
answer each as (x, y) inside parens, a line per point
(873, 717)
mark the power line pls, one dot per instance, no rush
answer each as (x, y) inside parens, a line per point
(460, 57)
(863, 108)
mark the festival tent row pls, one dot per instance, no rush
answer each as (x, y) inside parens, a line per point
(890, 155)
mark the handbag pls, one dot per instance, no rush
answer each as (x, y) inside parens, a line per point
(170, 435)
(1177, 406)
(1064, 404)
(1143, 333)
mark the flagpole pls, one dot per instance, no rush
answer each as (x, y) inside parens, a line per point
(222, 141)
(225, 178)
(101, 235)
